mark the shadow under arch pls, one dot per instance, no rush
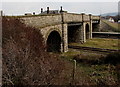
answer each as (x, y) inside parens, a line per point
(54, 42)
(87, 31)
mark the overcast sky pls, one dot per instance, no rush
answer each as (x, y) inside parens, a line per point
(96, 7)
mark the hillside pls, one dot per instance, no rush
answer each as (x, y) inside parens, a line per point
(114, 26)
(106, 26)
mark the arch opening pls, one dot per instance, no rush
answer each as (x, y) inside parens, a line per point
(87, 31)
(74, 34)
(54, 42)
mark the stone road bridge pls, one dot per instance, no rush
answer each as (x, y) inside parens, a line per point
(60, 29)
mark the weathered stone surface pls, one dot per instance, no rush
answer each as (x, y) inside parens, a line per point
(48, 23)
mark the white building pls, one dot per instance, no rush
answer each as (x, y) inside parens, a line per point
(111, 19)
(118, 21)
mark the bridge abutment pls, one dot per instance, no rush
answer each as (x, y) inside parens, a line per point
(64, 44)
(86, 31)
(91, 29)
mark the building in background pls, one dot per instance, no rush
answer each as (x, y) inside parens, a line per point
(111, 19)
(48, 11)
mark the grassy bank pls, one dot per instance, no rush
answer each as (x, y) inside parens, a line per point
(100, 43)
(114, 25)
(91, 65)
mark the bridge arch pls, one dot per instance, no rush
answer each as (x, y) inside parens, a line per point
(53, 41)
(87, 31)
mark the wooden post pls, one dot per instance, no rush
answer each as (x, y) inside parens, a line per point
(74, 71)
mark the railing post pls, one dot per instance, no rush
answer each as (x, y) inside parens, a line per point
(83, 17)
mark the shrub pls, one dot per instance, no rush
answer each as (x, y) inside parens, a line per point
(25, 61)
(113, 58)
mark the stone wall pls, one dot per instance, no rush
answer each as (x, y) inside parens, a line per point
(48, 23)
(63, 34)
(48, 20)
(47, 30)
(69, 17)
(83, 31)
(42, 21)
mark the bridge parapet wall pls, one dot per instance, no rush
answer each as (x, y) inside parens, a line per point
(42, 21)
(48, 20)
(86, 18)
(71, 17)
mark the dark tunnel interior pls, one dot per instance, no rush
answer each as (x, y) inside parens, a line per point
(54, 42)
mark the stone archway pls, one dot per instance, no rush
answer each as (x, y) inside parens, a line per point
(87, 31)
(54, 42)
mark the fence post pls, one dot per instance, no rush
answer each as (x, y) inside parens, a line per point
(74, 71)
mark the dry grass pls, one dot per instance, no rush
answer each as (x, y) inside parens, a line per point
(100, 43)
(91, 68)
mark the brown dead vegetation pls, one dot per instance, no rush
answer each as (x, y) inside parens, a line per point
(25, 61)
